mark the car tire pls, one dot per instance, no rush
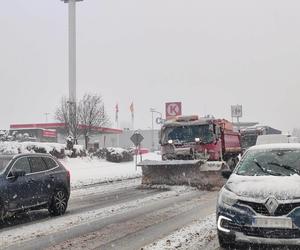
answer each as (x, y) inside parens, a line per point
(3, 214)
(226, 241)
(59, 202)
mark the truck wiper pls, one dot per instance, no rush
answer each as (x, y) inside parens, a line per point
(285, 166)
(265, 170)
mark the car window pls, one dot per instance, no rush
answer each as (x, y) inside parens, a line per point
(50, 163)
(37, 164)
(4, 163)
(21, 164)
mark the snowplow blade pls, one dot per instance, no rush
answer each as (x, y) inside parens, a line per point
(206, 175)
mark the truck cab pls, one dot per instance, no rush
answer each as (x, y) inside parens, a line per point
(190, 137)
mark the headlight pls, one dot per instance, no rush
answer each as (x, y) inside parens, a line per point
(228, 197)
(170, 141)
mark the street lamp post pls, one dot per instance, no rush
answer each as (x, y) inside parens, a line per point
(46, 115)
(152, 110)
(72, 59)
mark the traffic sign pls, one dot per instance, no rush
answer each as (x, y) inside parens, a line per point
(173, 109)
(160, 120)
(137, 138)
(236, 111)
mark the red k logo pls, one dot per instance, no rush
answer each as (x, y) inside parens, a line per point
(173, 109)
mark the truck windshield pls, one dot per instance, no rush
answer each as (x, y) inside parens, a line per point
(181, 134)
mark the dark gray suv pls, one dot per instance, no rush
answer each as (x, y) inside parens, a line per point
(33, 181)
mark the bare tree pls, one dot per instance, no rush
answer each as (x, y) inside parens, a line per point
(67, 113)
(91, 114)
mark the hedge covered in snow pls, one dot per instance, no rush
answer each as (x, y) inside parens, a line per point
(114, 154)
(118, 155)
(60, 151)
(56, 149)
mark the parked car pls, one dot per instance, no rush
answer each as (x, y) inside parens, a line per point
(260, 203)
(282, 138)
(33, 181)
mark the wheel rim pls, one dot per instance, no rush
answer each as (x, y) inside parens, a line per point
(60, 201)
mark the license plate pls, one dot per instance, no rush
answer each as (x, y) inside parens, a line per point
(273, 222)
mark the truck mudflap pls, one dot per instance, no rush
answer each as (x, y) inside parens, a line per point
(206, 175)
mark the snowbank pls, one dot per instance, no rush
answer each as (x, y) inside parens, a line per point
(87, 171)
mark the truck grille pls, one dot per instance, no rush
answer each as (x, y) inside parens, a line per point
(283, 209)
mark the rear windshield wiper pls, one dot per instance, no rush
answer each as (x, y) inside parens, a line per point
(285, 166)
(265, 170)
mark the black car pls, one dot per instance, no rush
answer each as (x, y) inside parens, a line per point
(260, 203)
(33, 181)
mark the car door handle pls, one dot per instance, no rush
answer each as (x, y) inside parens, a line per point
(51, 177)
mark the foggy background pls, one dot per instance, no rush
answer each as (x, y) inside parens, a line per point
(207, 54)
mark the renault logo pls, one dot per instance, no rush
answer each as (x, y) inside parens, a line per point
(271, 204)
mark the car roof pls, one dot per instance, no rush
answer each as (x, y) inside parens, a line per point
(275, 146)
(23, 154)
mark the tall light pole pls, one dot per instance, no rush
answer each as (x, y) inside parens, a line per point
(46, 115)
(72, 60)
(152, 110)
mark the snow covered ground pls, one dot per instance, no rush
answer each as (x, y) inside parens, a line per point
(18, 235)
(86, 171)
(191, 237)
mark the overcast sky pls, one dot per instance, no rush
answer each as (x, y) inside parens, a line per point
(207, 54)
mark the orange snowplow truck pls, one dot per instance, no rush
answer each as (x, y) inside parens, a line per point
(188, 137)
(194, 151)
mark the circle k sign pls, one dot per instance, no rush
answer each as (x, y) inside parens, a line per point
(173, 109)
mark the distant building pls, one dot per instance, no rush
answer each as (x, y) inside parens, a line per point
(56, 132)
(243, 125)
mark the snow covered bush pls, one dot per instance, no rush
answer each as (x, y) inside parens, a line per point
(56, 149)
(100, 153)
(118, 155)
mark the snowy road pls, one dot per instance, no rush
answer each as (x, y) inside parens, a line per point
(114, 216)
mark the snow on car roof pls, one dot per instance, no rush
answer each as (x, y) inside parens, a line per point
(276, 146)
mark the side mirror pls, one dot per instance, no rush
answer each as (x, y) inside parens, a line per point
(17, 173)
(226, 173)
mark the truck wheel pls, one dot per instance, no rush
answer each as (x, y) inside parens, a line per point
(59, 202)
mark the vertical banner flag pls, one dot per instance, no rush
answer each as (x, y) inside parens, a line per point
(132, 114)
(132, 110)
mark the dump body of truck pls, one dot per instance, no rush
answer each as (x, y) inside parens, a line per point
(194, 151)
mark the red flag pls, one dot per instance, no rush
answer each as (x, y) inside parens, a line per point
(132, 110)
(117, 112)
